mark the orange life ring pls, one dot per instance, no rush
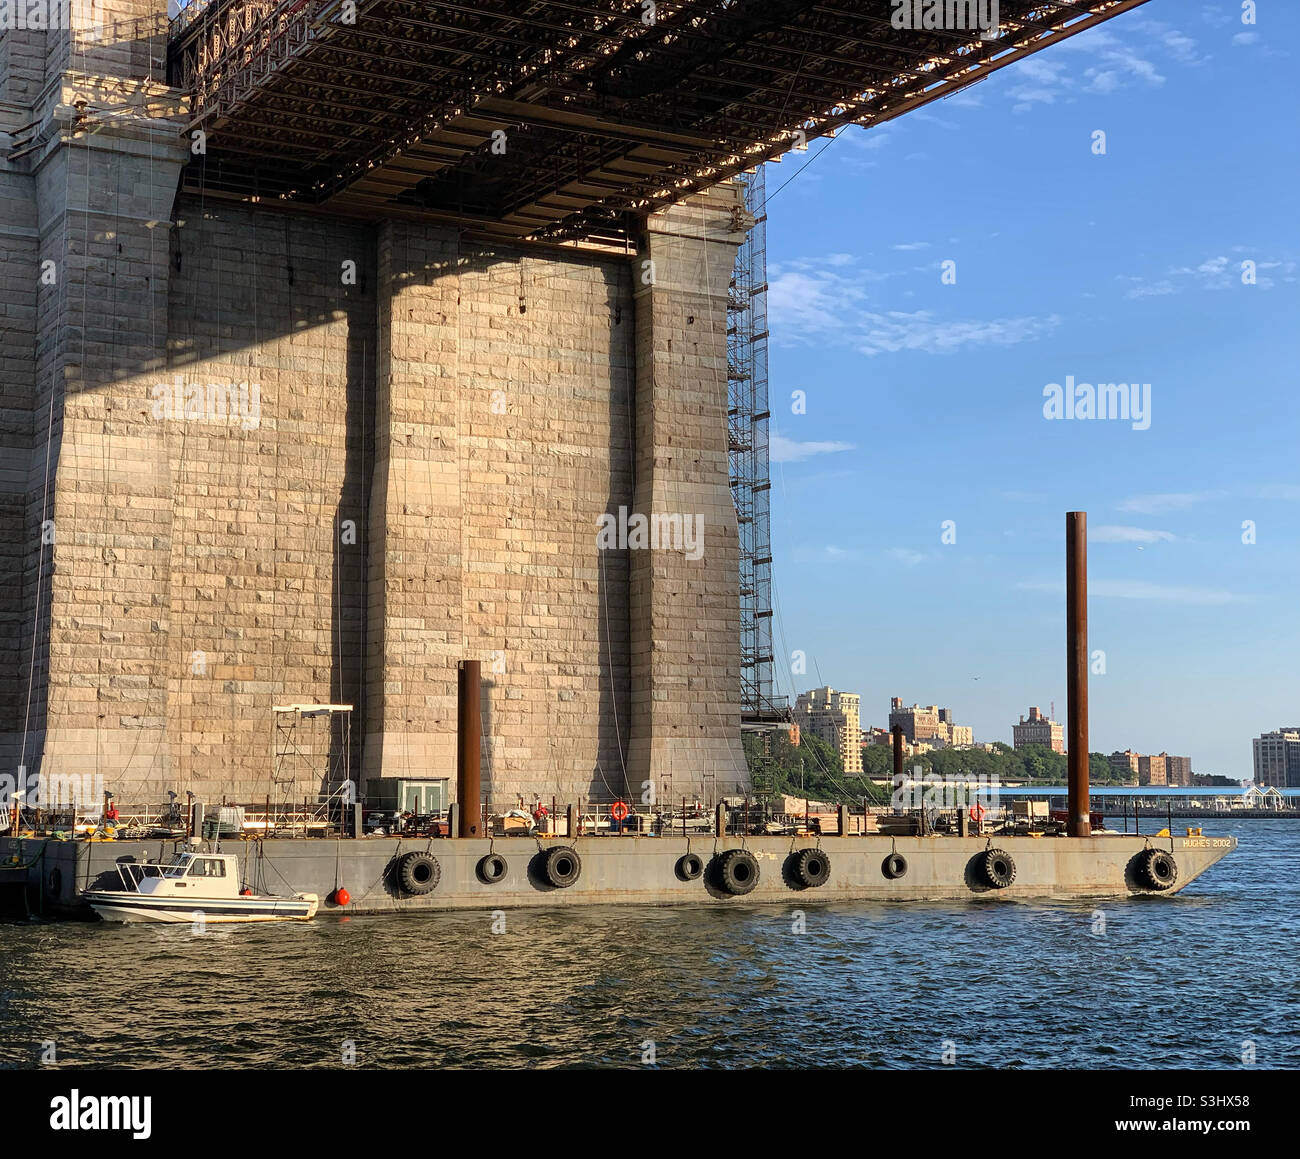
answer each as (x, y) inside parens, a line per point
(618, 810)
(977, 812)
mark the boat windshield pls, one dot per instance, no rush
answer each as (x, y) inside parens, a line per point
(176, 866)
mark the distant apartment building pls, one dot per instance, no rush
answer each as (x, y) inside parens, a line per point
(1152, 771)
(1037, 729)
(1277, 759)
(1178, 769)
(834, 718)
(1125, 764)
(930, 724)
(1158, 769)
(885, 738)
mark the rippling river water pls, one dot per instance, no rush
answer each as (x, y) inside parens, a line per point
(1181, 982)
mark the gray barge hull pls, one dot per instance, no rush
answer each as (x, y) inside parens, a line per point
(49, 876)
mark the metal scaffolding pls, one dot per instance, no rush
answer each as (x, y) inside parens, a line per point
(747, 419)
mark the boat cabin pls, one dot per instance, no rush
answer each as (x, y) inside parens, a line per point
(185, 875)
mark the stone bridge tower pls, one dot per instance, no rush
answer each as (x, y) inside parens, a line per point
(252, 456)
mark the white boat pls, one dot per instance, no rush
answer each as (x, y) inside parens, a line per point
(193, 887)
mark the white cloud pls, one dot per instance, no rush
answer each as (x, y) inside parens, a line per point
(907, 246)
(807, 308)
(1116, 533)
(1287, 491)
(783, 450)
(1160, 504)
(831, 552)
(808, 305)
(905, 555)
(1213, 273)
(869, 138)
(1154, 290)
(1142, 590)
(1168, 501)
(1245, 38)
(1115, 58)
(897, 331)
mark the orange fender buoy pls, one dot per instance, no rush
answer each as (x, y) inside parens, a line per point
(977, 812)
(245, 892)
(341, 896)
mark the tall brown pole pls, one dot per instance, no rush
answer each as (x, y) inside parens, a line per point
(1078, 823)
(898, 755)
(469, 734)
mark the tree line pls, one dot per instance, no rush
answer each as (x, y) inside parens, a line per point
(813, 769)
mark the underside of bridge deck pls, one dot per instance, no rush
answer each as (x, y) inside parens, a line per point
(562, 120)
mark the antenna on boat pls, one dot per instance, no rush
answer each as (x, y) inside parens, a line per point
(1078, 819)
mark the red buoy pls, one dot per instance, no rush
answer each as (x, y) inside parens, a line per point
(341, 896)
(245, 892)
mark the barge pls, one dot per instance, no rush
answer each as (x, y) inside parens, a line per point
(388, 875)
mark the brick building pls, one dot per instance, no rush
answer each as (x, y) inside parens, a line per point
(1152, 770)
(1277, 758)
(930, 724)
(833, 717)
(1037, 729)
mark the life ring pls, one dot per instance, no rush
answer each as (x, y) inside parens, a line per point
(618, 810)
(492, 869)
(418, 873)
(977, 812)
(812, 868)
(561, 866)
(894, 866)
(1157, 869)
(690, 866)
(738, 871)
(998, 868)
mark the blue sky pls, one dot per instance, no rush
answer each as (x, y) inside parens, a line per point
(925, 400)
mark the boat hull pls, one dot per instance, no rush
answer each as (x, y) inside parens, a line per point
(643, 870)
(123, 906)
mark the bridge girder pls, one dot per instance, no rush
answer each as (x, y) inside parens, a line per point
(557, 120)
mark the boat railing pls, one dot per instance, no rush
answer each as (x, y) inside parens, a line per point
(131, 873)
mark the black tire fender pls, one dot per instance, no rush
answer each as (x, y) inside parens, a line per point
(998, 867)
(689, 866)
(561, 866)
(738, 871)
(1157, 869)
(812, 868)
(894, 866)
(418, 873)
(491, 868)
